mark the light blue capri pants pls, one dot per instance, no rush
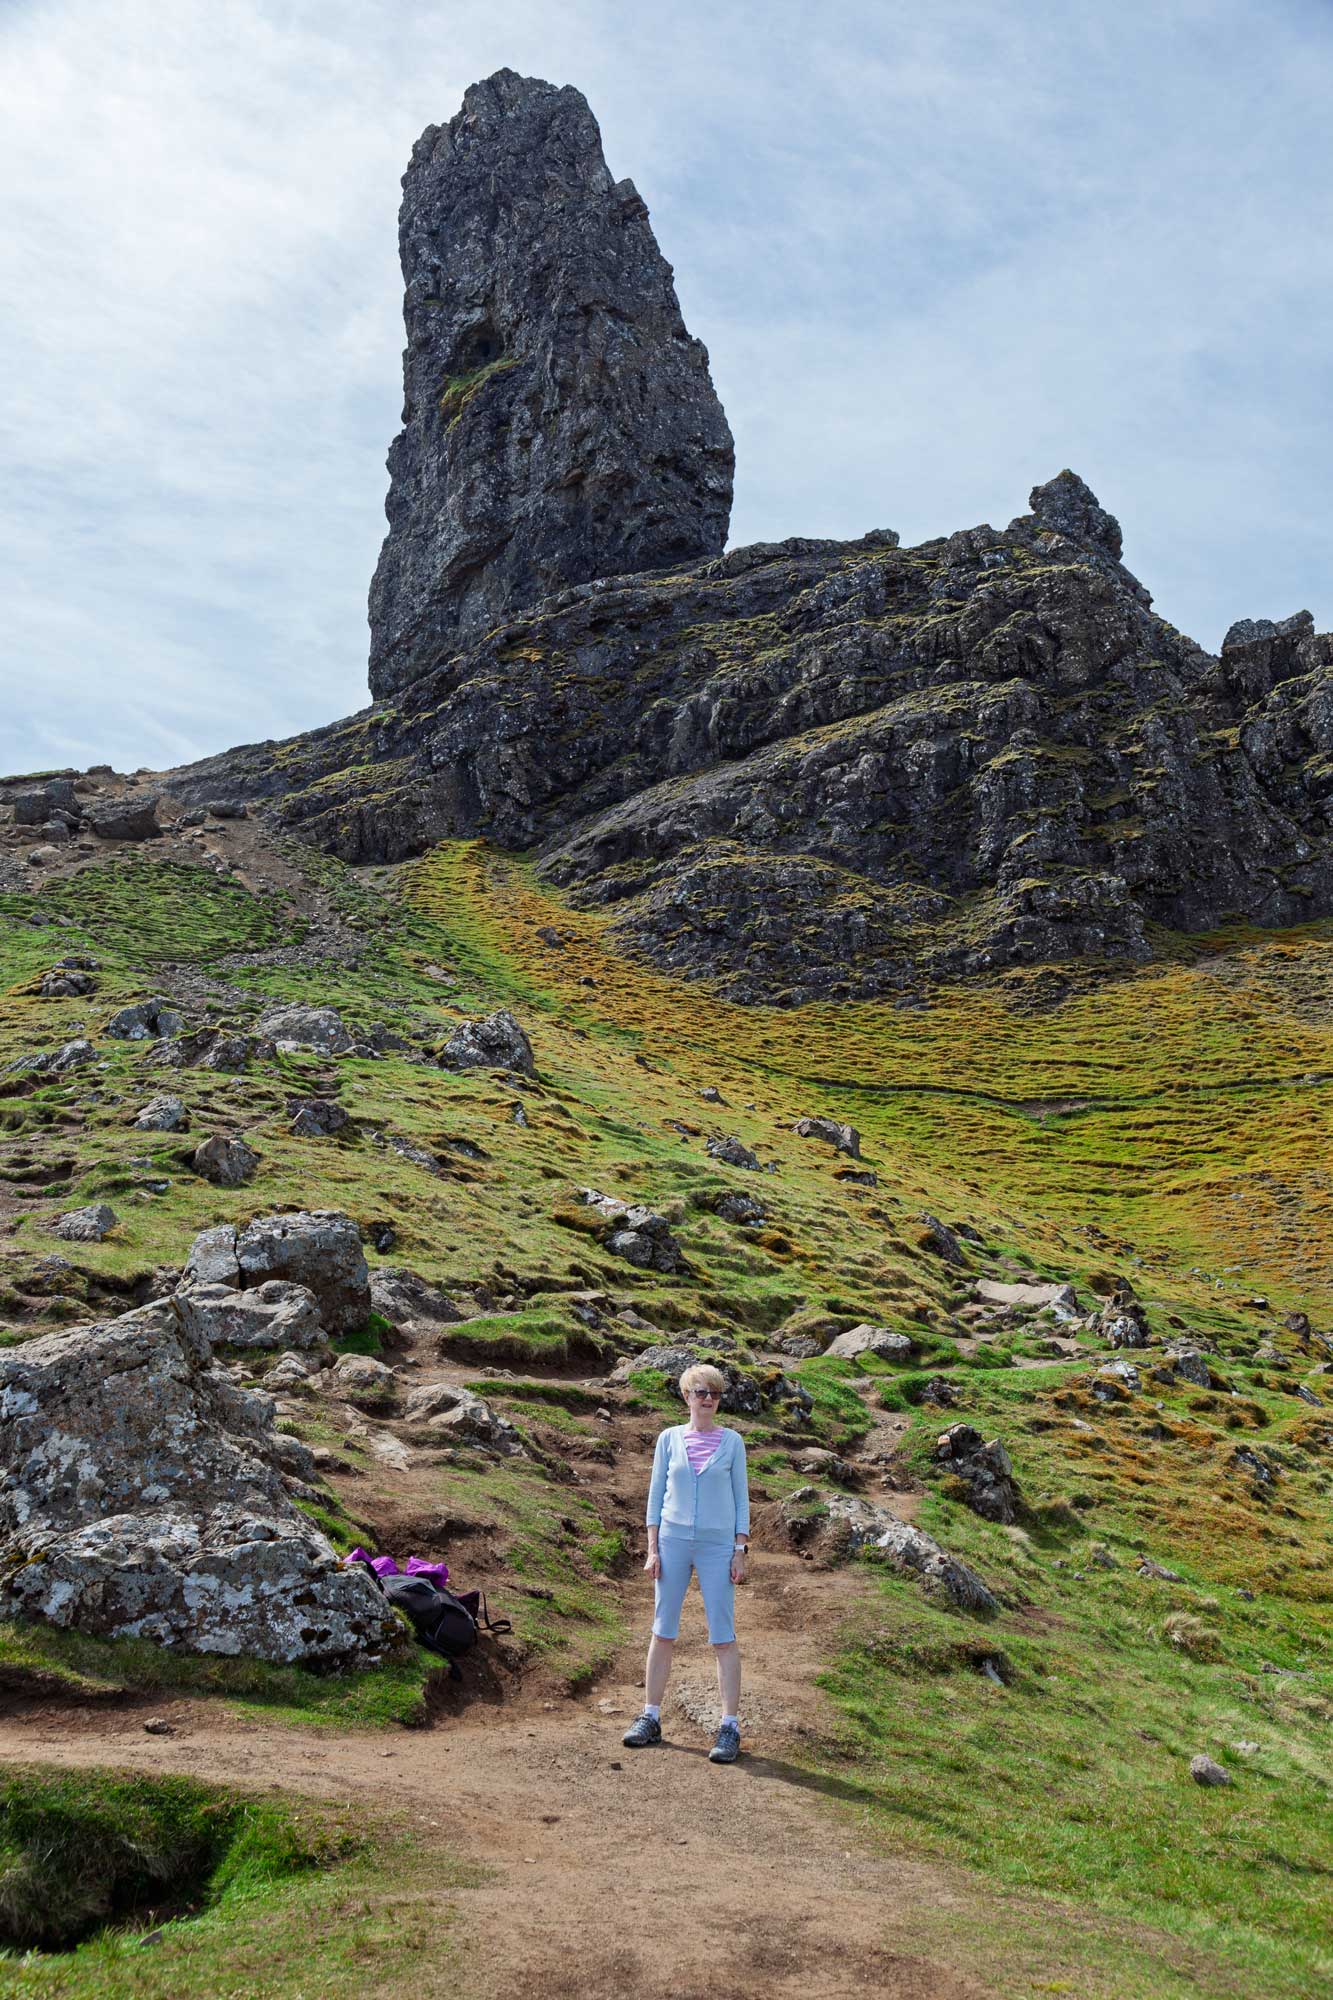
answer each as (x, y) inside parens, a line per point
(711, 1563)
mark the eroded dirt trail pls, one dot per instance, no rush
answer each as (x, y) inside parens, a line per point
(650, 1873)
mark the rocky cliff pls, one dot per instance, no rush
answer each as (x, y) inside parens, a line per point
(810, 769)
(559, 422)
(824, 769)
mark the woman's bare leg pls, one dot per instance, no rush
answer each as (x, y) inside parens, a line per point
(728, 1676)
(658, 1671)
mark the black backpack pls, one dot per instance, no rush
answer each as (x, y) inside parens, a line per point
(443, 1622)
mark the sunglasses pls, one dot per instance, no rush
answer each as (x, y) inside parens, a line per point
(705, 1395)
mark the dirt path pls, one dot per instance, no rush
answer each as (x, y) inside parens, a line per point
(614, 1872)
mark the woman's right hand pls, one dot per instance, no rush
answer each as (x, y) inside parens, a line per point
(653, 1564)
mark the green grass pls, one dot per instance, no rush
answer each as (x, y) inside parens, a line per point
(1163, 1125)
(43, 1658)
(241, 1886)
(79, 1852)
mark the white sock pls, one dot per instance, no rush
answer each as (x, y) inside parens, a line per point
(731, 1718)
(653, 1710)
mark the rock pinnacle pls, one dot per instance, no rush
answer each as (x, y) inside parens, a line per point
(559, 422)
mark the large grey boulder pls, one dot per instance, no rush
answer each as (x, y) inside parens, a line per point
(559, 423)
(321, 1028)
(275, 1315)
(54, 1062)
(86, 1225)
(844, 1138)
(131, 818)
(984, 1468)
(494, 1042)
(841, 1523)
(732, 1152)
(146, 1020)
(320, 1249)
(404, 1297)
(225, 1159)
(882, 1341)
(442, 1414)
(145, 1499)
(637, 1234)
(164, 1113)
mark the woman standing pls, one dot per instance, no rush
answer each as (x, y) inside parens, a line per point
(698, 1520)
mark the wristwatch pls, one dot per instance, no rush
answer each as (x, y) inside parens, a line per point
(741, 1549)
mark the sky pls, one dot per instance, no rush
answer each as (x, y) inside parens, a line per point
(936, 253)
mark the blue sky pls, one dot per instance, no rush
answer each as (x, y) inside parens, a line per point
(936, 254)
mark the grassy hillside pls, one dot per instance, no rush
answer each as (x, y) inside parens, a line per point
(1168, 1125)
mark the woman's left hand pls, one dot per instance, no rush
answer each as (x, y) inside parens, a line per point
(738, 1570)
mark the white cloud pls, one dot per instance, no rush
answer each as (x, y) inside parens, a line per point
(936, 254)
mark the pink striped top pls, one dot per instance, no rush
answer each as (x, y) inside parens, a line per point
(700, 1446)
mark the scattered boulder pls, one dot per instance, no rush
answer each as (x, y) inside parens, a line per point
(86, 1225)
(838, 1524)
(637, 1234)
(44, 856)
(225, 1160)
(800, 1349)
(301, 1027)
(54, 1062)
(448, 1415)
(940, 1391)
(1266, 1355)
(1205, 1772)
(320, 1249)
(739, 1208)
(1157, 1572)
(1124, 1324)
(732, 1153)
(145, 1499)
(66, 982)
(710, 1094)
(274, 1315)
(816, 1463)
(163, 1113)
(983, 1467)
(402, 1297)
(315, 1117)
(212, 1259)
(1061, 1299)
(883, 1341)
(1187, 1364)
(146, 1020)
(939, 1238)
(494, 1042)
(844, 1138)
(229, 809)
(745, 1394)
(363, 1379)
(131, 818)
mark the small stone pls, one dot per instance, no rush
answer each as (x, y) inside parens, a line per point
(157, 1726)
(845, 1138)
(86, 1225)
(1205, 1772)
(163, 1114)
(226, 1161)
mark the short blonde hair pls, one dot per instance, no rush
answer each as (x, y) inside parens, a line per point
(703, 1376)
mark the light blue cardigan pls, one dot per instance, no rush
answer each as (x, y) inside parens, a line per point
(712, 1505)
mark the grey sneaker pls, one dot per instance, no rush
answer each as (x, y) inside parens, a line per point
(728, 1746)
(642, 1733)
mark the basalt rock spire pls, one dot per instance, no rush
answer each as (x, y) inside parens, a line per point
(559, 421)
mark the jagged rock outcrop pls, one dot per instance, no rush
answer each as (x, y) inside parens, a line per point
(559, 423)
(828, 769)
(145, 1498)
